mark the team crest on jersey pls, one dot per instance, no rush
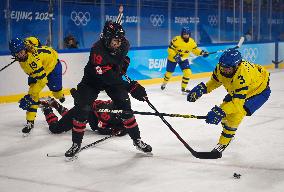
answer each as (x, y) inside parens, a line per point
(33, 65)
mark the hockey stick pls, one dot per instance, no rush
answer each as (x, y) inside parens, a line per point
(8, 65)
(119, 17)
(98, 141)
(200, 155)
(150, 113)
(86, 146)
(241, 41)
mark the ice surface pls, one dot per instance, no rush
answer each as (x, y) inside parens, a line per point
(257, 153)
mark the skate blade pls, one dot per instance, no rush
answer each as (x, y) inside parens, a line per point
(184, 93)
(146, 153)
(26, 134)
(69, 159)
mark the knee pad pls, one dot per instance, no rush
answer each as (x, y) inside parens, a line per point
(186, 73)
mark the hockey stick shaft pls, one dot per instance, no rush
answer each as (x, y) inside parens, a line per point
(241, 41)
(99, 141)
(119, 17)
(150, 113)
(8, 65)
(200, 155)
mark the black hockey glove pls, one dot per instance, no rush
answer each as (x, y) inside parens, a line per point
(137, 91)
(125, 64)
(204, 53)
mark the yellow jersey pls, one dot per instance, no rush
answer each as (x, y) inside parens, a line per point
(38, 65)
(249, 80)
(179, 46)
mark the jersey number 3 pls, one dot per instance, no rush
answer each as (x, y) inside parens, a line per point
(241, 78)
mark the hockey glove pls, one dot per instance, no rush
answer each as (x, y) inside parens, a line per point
(204, 53)
(137, 91)
(215, 115)
(26, 102)
(197, 92)
(125, 65)
(177, 58)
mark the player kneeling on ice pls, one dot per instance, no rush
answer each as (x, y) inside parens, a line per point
(103, 122)
(104, 71)
(248, 89)
(42, 66)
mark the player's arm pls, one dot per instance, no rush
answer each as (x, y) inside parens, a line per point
(197, 51)
(172, 47)
(214, 82)
(201, 88)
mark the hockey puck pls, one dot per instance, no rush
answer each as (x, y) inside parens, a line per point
(237, 176)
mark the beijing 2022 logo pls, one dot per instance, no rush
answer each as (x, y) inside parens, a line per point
(157, 20)
(80, 18)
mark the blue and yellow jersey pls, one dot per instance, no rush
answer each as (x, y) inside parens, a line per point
(178, 45)
(38, 65)
(249, 80)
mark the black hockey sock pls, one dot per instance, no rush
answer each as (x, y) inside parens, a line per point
(78, 131)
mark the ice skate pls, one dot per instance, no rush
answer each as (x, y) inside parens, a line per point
(163, 86)
(72, 153)
(141, 146)
(28, 128)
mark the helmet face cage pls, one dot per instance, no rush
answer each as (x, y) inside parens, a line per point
(16, 45)
(230, 58)
(112, 31)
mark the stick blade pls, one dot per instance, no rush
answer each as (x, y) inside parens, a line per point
(208, 155)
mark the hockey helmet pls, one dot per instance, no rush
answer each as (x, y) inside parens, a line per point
(111, 31)
(185, 30)
(230, 58)
(16, 45)
(32, 41)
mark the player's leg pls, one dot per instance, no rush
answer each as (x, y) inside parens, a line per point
(184, 65)
(230, 124)
(121, 101)
(55, 82)
(169, 72)
(83, 101)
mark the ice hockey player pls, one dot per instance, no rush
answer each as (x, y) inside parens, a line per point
(178, 53)
(104, 72)
(103, 122)
(248, 89)
(43, 68)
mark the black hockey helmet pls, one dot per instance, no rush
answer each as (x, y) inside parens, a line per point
(112, 30)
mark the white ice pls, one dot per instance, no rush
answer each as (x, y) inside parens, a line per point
(257, 153)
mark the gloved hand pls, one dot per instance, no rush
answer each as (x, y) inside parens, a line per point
(137, 91)
(196, 92)
(177, 57)
(204, 53)
(26, 102)
(215, 115)
(125, 65)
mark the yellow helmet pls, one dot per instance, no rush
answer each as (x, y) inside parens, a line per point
(32, 41)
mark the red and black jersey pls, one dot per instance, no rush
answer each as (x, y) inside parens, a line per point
(105, 66)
